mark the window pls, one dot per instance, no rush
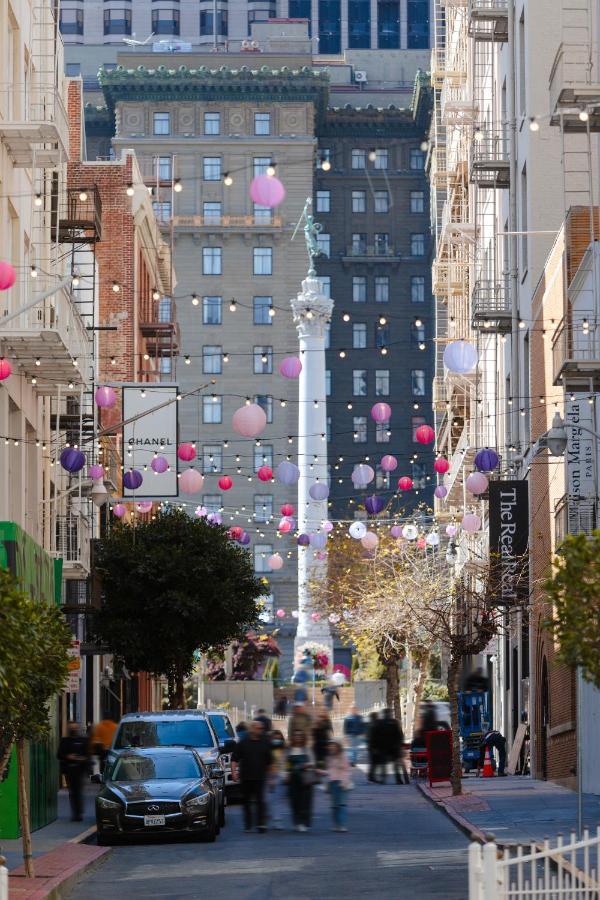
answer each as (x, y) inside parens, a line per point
(382, 480)
(382, 245)
(165, 167)
(382, 336)
(262, 123)
(359, 24)
(382, 432)
(212, 123)
(263, 507)
(165, 310)
(71, 22)
(116, 21)
(417, 160)
(330, 26)
(382, 382)
(212, 310)
(265, 402)
(382, 289)
(211, 210)
(359, 201)
(212, 457)
(161, 123)
(325, 285)
(165, 365)
(417, 289)
(324, 154)
(212, 502)
(263, 456)
(206, 22)
(165, 21)
(359, 336)
(524, 237)
(260, 165)
(212, 410)
(417, 381)
(381, 159)
(324, 201)
(382, 202)
(212, 359)
(416, 422)
(261, 307)
(262, 552)
(359, 244)
(328, 429)
(211, 168)
(212, 260)
(72, 70)
(359, 383)
(263, 260)
(418, 24)
(263, 360)
(262, 214)
(324, 244)
(419, 475)
(417, 201)
(388, 25)
(359, 159)
(162, 210)
(360, 429)
(328, 382)
(417, 245)
(417, 334)
(359, 288)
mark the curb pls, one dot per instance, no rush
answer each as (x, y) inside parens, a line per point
(472, 831)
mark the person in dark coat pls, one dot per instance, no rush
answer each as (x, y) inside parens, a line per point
(322, 734)
(390, 740)
(261, 716)
(373, 747)
(251, 762)
(491, 741)
(74, 764)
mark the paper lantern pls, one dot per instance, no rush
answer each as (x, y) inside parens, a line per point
(5, 369)
(425, 434)
(357, 530)
(191, 481)
(381, 412)
(315, 616)
(145, 506)
(105, 397)
(72, 460)
(285, 525)
(319, 491)
(432, 539)
(388, 463)
(249, 420)
(370, 540)
(8, 276)
(287, 472)
(275, 562)
(245, 539)
(159, 464)
(119, 510)
(265, 473)
(440, 492)
(374, 504)
(441, 465)
(486, 460)
(95, 472)
(396, 531)
(295, 614)
(460, 357)
(405, 483)
(471, 523)
(186, 452)
(235, 532)
(333, 618)
(327, 526)
(132, 480)
(451, 530)
(287, 509)
(318, 541)
(266, 190)
(477, 483)
(362, 475)
(280, 613)
(410, 532)
(225, 483)
(303, 540)
(200, 511)
(321, 554)
(290, 367)
(215, 518)
(421, 543)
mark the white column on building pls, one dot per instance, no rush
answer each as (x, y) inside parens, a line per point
(312, 312)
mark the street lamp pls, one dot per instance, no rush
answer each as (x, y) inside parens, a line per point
(556, 439)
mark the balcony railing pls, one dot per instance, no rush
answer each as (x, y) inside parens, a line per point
(158, 324)
(574, 80)
(490, 306)
(217, 223)
(449, 277)
(80, 216)
(576, 351)
(72, 545)
(574, 515)
(370, 251)
(33, 125)
(439, 392)
(488, 20)
(490, 161)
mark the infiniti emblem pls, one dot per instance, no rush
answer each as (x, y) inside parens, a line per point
(153, 808)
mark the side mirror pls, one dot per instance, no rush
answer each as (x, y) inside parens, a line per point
(229, 745)
(96, 778)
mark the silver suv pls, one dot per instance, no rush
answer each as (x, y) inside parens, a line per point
(221, 724)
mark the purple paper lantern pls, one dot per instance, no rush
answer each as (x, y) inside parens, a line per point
(318, 540)
(327, 526)
(290, 367)
(245, 539)
(133, 480)
(266, 190)
(287, 472)
(381, 412)
(396, 531)
(145, 506)
(216, 518)
(362, 475)
(451, 530)
(119, 510)
(105, 397)
(374, 504)
(471, 523)
(72, 460)
(96, 472)
(319, 491)
(477, 483)
(388, 463)
(486, 460)
(303, 540)
(159, 464)
(460, 357)
(440, 492)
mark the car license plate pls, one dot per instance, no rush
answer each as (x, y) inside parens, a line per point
(154, 820)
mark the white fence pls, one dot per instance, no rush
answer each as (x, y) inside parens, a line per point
(3, 883)
(566, 871)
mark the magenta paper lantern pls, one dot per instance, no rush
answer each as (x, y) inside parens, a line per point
(249, 420)
(191, 481)
(396, 531)
(441, 465)
(235, 532)
(132, 480)
(440, 492)
(95, 472)
(388, 463)
(287, 509)
(421, 543)
(265, 473)
(460, 357)
(287, 472)
(381, 412)
(370, 540)
(471, 523)
(319, 491)
(477, 483)
(186, 452)
(225, 483)
(425, 434)
(5, 369)
(290, 367)
(159, 464)
(267, 190)
(72, 460)
(280, 613)
(145, 506)
(105, 397)
(119, 510)
(285, 525)
(405, 483)
(275, 562)
(362, 475)
(451, 530)
(8, 276)
(318, 540)
(327, 527)
(303, 540)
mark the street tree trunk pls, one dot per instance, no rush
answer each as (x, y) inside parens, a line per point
(392, 688)
(24, 811)
(171, 691)
(179, 691)
(422, 678)
(453, 681)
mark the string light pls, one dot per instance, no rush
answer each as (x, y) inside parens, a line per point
(177, 186)
(227, 179)
(195, 300)
(534, 125)
(116, 288)
(83, 196)
(232, 306)
(38, 200)
(34, 272)
(155, 294)
(130, 190)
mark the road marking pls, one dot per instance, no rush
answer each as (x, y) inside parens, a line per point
(431, 858)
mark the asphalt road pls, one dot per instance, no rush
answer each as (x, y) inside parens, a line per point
(398, 846)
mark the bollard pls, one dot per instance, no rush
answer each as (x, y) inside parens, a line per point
(490, 871)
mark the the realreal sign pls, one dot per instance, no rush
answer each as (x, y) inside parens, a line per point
(153, 431)
(509, 530)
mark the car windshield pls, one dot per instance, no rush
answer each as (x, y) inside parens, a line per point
(140, 733)
(175, 766)
(223, 728)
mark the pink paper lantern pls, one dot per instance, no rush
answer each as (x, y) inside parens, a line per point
(235, 532)
(105, 397)
(370, 540)
(425, 434)
(265, 473)
(421, 543)
(477, 483)
(327, 527)
(290, 367)
(275, 562)
(95, 471)
(280, 613)
(441, 491)
(321, 554)
(471, 523)
(8, 276)
(191, 481)
(315, 616)
(145, 506)
(225, 483)
(287, 509)
(186, 452)
(249, 420)
(381, 412)
(285, 525)
(405, 483)
(200, 511)
(396, 531)
(159, 464)
(5, 369)
(441, 465)
(266, 190)
(451, 530)
(119, 510)
(388, 463)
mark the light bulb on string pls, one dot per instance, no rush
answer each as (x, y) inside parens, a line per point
(130, 190)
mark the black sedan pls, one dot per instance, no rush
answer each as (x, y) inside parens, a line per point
(159, 790)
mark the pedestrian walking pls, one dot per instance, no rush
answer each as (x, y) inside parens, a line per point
(337, 774)
(300, 720)
(276, 782)
(250, 764)
(390, 739)
(330, 693)
(354, 728)
(261, 716)
(74, 764)
(491, 741)
(301, 777)
(373, 746)
(322, 734)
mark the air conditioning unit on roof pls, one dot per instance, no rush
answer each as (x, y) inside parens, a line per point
(360, 76)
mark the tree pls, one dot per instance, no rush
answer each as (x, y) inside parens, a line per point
(248, 655)
(33, 669)
(171, 586)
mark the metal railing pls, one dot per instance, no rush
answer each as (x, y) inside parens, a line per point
(490, 305)
(28, 110)
(80, 215)
(488, 20)
(573, 77)
(73, 541)
(381, 251)
(216, 221)
(574, 515)
(575, 348)
(490, 160)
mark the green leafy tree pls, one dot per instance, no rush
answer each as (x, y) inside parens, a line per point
(172, 586)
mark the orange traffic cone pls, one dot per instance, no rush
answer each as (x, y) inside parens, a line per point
(488, 769)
